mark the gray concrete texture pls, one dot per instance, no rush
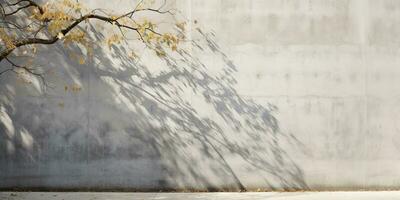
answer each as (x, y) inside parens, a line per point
(273, 94)
(201, 196)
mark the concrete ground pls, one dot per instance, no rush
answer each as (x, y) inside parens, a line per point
(199, 196)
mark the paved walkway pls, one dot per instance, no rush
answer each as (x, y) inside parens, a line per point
(199, 196)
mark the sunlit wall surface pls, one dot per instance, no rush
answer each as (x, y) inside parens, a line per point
(268, 94)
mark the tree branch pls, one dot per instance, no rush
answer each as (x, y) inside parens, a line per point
(54, 39)
(17, 10)
(29, 70)
(30, 3)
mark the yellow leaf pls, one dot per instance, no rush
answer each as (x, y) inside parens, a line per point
(160, 53)
(132, 55)
(114, 39)
(181, 26)
(81, 60)
(60, 35)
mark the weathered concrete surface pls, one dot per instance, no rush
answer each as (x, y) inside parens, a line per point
(202, 196)
(286, 95)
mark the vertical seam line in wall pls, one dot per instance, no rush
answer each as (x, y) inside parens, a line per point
(366, 127)
(363, 45)
(88, 124)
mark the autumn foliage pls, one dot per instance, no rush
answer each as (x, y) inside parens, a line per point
(26, 25)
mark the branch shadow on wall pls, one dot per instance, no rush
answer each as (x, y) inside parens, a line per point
(187, 117)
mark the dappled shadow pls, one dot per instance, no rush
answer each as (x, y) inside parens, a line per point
(185, 116)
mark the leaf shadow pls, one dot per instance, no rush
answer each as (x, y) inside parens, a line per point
(186, 117)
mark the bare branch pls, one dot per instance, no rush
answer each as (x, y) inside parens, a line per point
(29, 70)
(17, 10)
(14, 4)
(30, 3)
(7, 70)
(25, 68)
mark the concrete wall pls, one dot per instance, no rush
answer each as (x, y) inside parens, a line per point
(276, 94)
